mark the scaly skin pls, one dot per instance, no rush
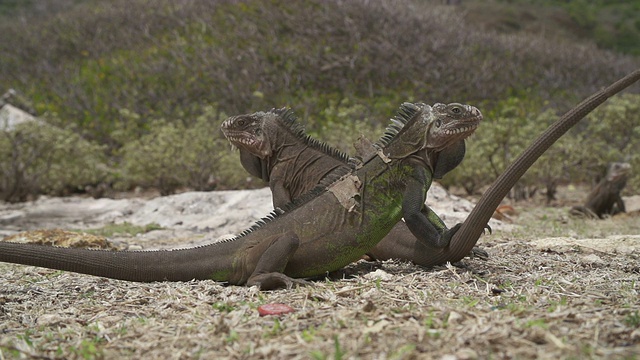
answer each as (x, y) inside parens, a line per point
(274, 147)
(332, 227)
(605, 200)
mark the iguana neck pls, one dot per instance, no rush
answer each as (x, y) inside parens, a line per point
(293, 154)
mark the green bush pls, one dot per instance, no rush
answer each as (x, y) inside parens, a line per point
(139, 79)
(38, 158)
(501, 136)
(173, 155)
(91, 61)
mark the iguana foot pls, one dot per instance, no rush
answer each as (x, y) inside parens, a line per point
(479, 253)
(448, 234)
(275, 280)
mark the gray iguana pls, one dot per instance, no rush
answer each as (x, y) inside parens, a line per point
(331, 227)
(274, 147)
(605, 200)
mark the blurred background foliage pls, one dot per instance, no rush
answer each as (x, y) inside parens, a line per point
(140, 87)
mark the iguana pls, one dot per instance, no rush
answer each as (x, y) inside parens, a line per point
(274, 147)
(605, 200)
(328, 229)
(468, 233)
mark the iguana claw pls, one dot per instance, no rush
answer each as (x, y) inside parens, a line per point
(487, 227)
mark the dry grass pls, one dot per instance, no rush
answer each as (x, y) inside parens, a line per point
(522, 303)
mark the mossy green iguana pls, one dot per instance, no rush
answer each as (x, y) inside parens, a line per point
(274, 147)
(605, 200)
(331, 227)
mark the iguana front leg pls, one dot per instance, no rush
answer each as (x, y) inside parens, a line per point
(280, 195)
(619, 208)
(426, 226)
(271, 258)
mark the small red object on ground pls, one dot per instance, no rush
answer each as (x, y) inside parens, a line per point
(274, 309)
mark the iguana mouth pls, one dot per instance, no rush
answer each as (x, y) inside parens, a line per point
(461, 130)
(246, 141)
(240, 138)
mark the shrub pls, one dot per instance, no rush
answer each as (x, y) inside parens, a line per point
(503, 134)
(39, 158)
(174, 155)
(95, 59)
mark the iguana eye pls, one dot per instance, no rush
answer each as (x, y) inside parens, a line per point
(241, 122)
(456, 110)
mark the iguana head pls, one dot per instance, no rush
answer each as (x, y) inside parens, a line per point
(419, 127)
(247, 132)
(451, 123)
(618, 172)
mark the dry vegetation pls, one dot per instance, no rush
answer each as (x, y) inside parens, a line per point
(575, 298)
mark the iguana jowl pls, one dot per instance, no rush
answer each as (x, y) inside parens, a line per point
(331, 228)
(274, 147)
(605, 200)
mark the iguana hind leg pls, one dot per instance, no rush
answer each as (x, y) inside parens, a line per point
(267, 274)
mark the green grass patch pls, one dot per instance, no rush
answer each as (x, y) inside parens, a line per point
(122, 229)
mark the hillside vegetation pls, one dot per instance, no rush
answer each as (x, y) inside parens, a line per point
(146, 87)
